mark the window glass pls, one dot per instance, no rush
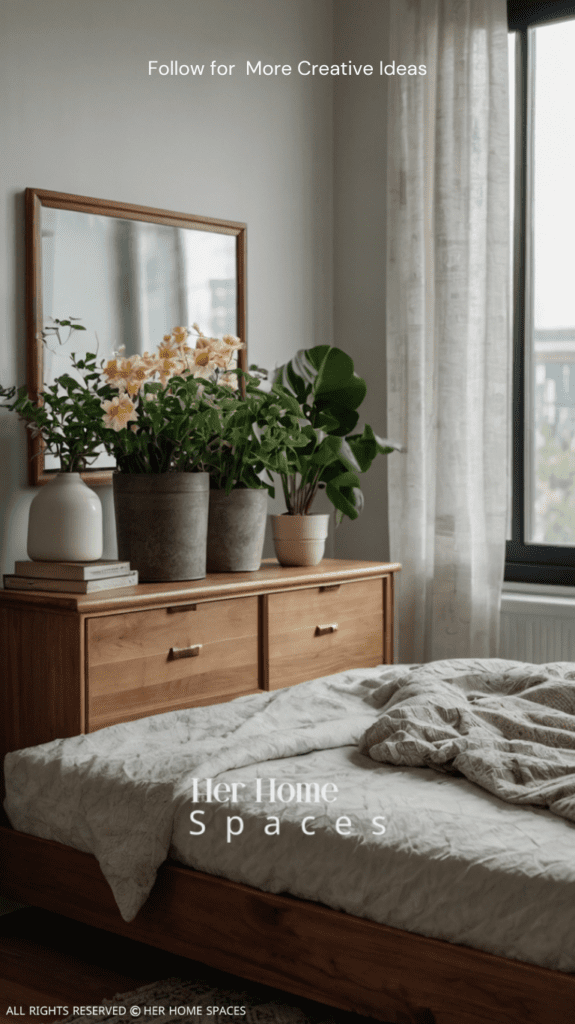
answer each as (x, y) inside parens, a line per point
(550, 316)
(512, 44)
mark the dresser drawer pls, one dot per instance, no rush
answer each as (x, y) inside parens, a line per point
(323, 630)
(73, 663)
(143, 663)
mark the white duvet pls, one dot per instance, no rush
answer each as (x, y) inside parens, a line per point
(403, 846)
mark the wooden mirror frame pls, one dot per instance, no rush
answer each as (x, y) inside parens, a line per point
(38, 198)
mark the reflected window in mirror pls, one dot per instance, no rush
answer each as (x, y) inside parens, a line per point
(130, 274)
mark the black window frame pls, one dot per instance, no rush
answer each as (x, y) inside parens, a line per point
(527, 563)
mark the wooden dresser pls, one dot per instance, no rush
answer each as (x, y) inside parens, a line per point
(74, 663)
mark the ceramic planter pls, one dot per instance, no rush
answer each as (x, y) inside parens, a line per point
(162, 523)
(300, 540)
(65, 523)
(237, 523)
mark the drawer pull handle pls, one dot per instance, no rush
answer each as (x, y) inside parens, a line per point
(331, 586)
(331, 627)
(181, 608)
(185, 652)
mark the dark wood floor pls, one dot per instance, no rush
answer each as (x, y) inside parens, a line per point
(49, 961)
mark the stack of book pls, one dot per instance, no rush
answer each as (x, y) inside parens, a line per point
(71, 577)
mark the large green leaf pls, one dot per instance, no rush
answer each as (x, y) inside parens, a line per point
(324, 381)
(341, 491)
(340, 424)
(327, 451)
(337, 385)
(330, 392)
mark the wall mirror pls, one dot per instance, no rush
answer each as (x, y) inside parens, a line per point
(130, 274)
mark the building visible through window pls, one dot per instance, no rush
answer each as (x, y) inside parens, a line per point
(542, 78)
(552, 483)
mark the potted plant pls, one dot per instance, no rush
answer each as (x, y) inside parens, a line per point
(65, 520)
(180, 418)
(158, 426)
(323, 381)
(155, 414)
(258, 434)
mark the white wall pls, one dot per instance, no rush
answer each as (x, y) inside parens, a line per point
(80, 114)
(360, 36)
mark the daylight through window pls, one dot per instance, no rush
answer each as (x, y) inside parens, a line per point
(542, 75)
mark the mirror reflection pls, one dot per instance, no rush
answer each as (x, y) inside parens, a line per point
(130, 282)
(128, 279)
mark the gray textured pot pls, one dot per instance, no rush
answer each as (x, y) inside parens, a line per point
(236, 529)
(162, 523)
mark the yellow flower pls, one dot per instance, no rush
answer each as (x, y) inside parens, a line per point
(232, 342)
(179, 338)
(113, 371)
(222, 353)
(129, 374)
(230, 379)
(168, 367)
(202, 358)
(167, 348)
(200, 362)
(118, 412)
(137, 373)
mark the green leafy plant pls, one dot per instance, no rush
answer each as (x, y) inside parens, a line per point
(167, 430)
(329, 392)
(67, 413)
(184, 410)
(162, 413)
(259, 433)
(178, 410)
(152, 413)
(196, 425)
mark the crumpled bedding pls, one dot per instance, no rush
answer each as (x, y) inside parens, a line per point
(454, 862)
(115, 792)
(510, 730)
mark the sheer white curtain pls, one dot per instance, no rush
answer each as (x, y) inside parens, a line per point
(448, 364)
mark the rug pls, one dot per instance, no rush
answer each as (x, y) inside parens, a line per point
(178, 999)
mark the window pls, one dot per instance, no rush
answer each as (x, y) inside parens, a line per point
(542, 544)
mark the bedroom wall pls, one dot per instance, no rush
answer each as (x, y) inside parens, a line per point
(80, 114)
(361, 36)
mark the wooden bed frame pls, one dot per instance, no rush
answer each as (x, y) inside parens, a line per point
(299, 947)
(294, 945)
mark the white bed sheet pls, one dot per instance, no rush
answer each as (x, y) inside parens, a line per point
(454, 862)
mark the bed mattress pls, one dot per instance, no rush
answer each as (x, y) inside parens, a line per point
(271, 791)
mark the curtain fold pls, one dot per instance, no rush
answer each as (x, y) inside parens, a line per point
(448, 347)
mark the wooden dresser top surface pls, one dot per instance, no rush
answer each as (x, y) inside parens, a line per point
(270, 577)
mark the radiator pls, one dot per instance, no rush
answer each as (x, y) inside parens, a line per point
(537, 623)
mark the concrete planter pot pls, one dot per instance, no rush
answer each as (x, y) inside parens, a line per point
(300, 540)
(236, 528)
(162, 524)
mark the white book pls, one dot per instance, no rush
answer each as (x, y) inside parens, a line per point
(71, 586)
(102, 569)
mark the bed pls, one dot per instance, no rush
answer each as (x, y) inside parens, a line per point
(335, 954)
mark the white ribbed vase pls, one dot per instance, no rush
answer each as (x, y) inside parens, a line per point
(65, 523)
(300, 540)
